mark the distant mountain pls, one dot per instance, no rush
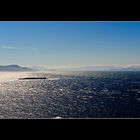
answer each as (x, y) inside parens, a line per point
(14, 68)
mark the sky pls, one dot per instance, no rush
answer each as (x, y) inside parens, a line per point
(56, 44)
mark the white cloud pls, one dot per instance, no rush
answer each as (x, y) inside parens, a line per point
(131, 65)
(99, 67)
(16, 48)
(7, 47)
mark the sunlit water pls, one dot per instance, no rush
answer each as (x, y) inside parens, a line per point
(70, 95)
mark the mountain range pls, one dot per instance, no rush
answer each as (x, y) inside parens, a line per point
(14, 68)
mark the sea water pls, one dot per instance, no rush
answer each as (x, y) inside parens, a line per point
(70, 95)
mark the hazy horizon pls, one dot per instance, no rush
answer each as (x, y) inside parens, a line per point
(70, 44)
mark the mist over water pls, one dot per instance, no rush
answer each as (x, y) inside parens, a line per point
(70, 95)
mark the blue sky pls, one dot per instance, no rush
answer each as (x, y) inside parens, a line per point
(69, 44)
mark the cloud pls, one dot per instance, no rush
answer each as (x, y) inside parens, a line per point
(131, 66)
(7, 47)
(101, 67)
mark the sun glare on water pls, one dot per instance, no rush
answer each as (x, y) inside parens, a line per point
(10, 76)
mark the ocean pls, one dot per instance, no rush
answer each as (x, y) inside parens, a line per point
(70, 95)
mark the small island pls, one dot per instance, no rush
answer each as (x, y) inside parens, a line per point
(32, 78)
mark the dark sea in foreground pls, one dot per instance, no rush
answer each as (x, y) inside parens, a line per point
(70, 95)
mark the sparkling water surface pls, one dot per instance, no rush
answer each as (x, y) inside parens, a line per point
(70, 95)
